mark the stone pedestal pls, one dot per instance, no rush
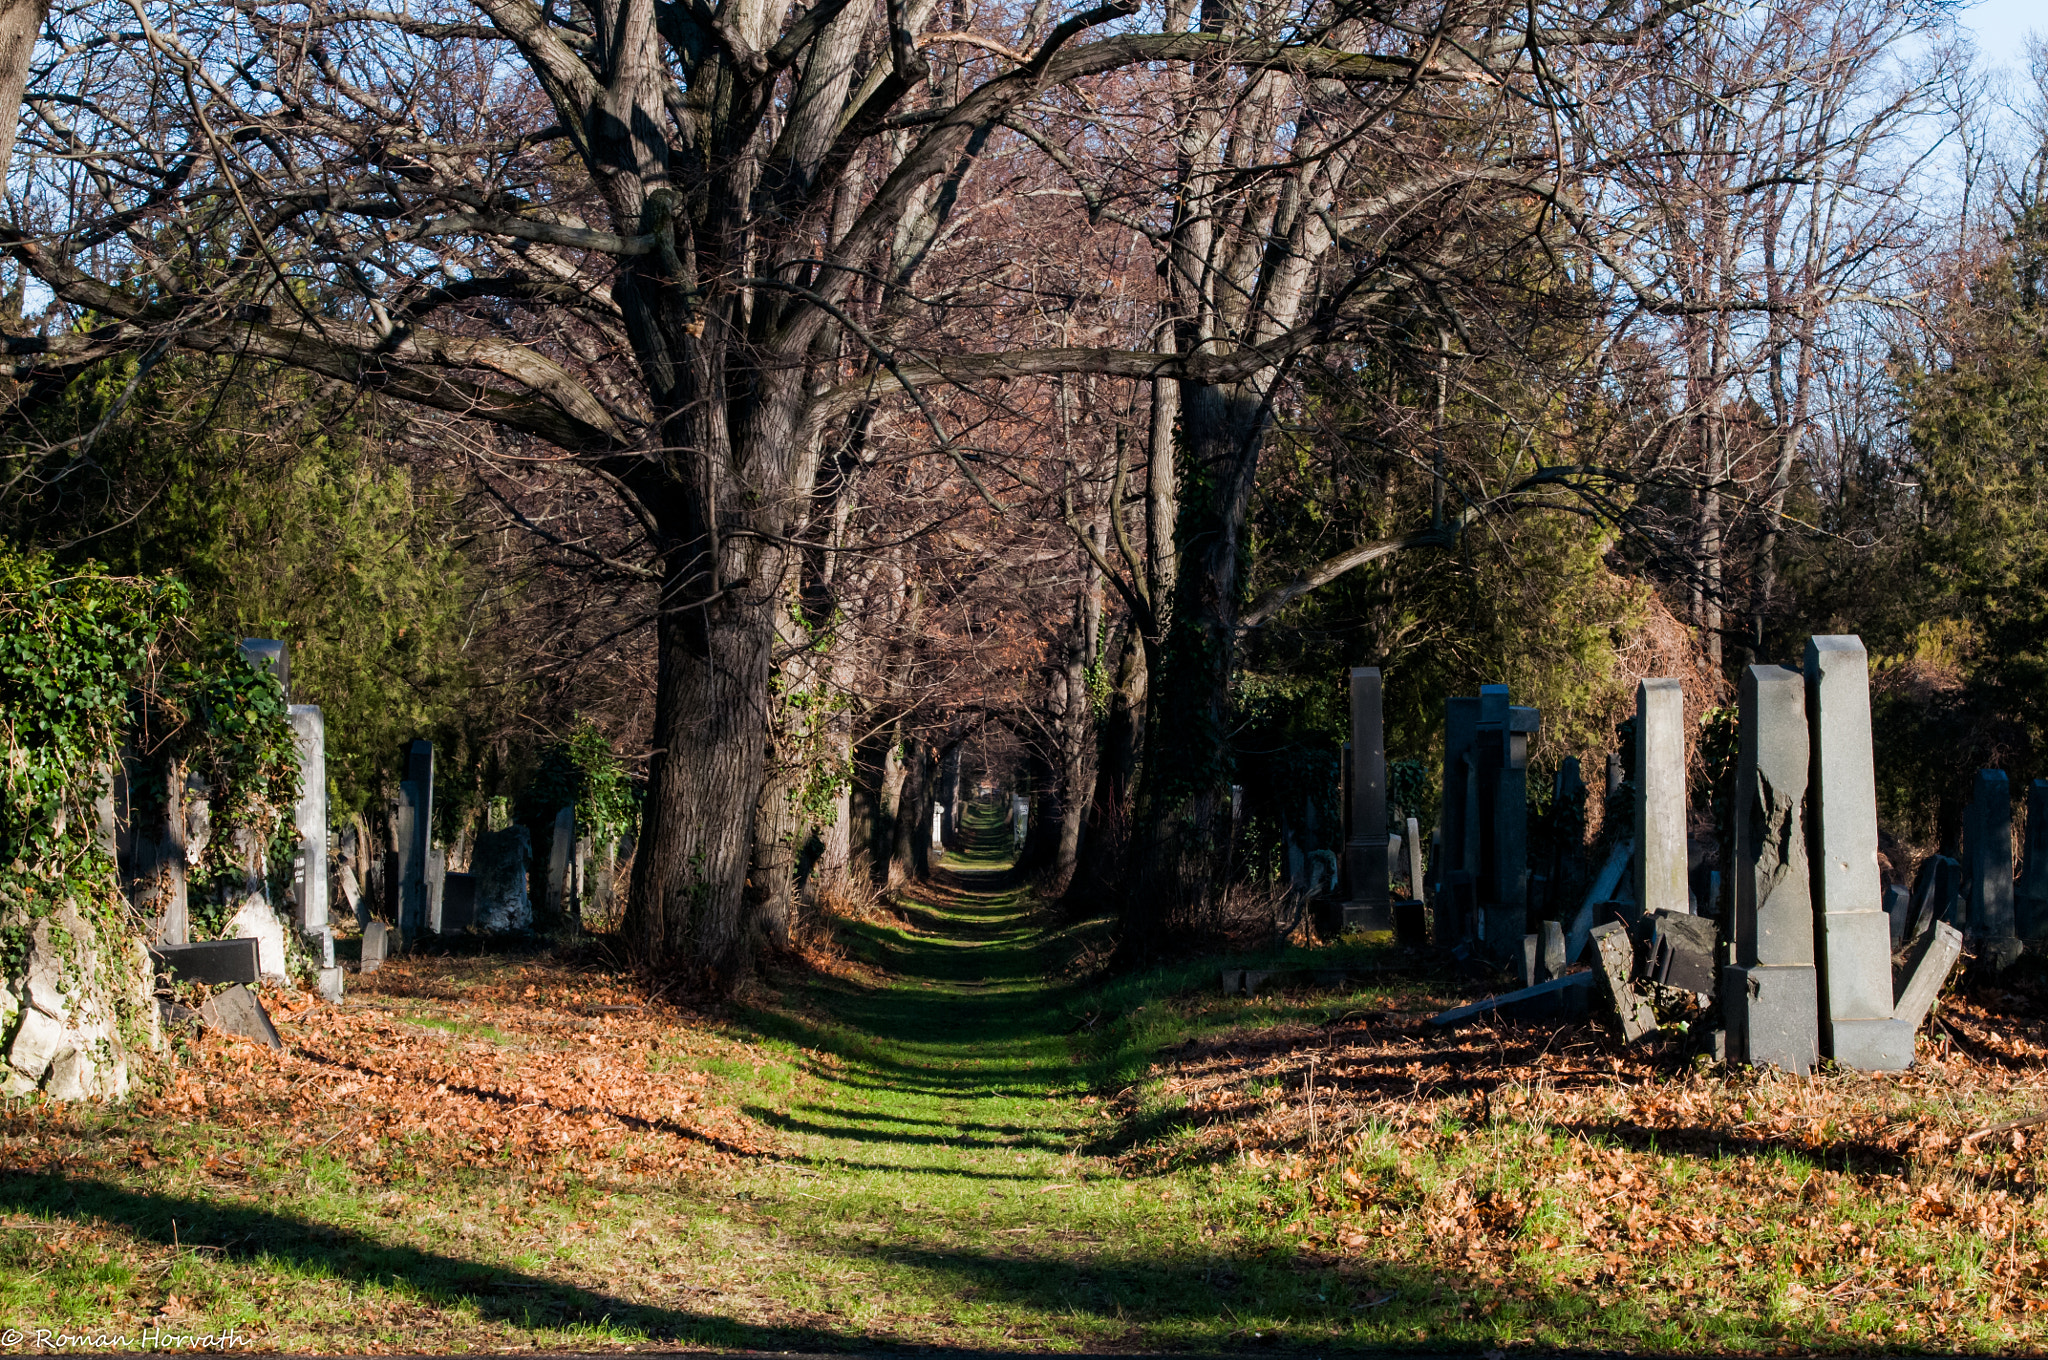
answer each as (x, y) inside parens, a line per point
(1365, 848)
(1660, 797)
(1853, 936)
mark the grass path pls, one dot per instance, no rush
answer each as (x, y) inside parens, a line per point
(952, 1176)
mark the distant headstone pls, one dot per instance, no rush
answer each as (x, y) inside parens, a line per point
(419, 773)
(215, 963)
(376, 946)
(309, 818)
(1854, 937)
(1937, 894)
(560, 848)
(436, 881)
(1898, 906)
(458, 903)
(1617, 969)
(1927, 969)
(1682, 951)
(1987, 864)
(237, 1011)
(1553, 961)
(1529, 959)
(270, 654)
(331, 985)
(500, 863)
(1365, 848)
(255, 920)
(1461, 735)
(1770, 995)
(410, 878)
(1660, 796)
(1416, 872)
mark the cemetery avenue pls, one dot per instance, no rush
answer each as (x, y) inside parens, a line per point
(953, 1129)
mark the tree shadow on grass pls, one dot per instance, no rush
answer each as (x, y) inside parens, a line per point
(248, 1235)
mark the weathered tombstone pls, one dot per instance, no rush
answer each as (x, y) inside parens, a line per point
(939, 827)
(270, 654)
(1927, 968)
(215, 963)
(1987, 865)
(1529, 959)
(1898, 907)
(309, 818)
(376, 946)
(1365, 849)
(499, 862)
(458, 903)
(411, 875)
(352, 895)
(331, 984)
(1553, 961)
(2030, 893)
(559, 849)
(1770, 996)
(1853, 941)
(1617, 968)
(1681, 952)
(1660, 796)
(1416, 873)
(1937, 894)
(255, 920)
(436, 881)
(237, 1011)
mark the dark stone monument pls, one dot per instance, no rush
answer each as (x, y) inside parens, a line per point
(1461, 734)
(2030, 893)
(1987, 864)
(1770, 995)
(1365, 848)
(458, 903)
(212, 962)
(1681, 953)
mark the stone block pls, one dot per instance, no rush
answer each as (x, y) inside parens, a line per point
(1926, 972)
(376, 946)
(216, 963)
(1410, 927)
(1554, 961)
(331, 985)
(1873, 1045)
(1368, 915)
(1233, 981)
(256, 921)
(1660, 862)
(1772, 1013)
(1617, 968)
(1681, 953)
(1529, 958)
(1855, 969)
(237, 1011)
(1898, 908)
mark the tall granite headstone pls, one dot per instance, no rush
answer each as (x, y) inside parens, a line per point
(1770, 995)
(309, 818)
(1660, 797)
(1853, 935)
(499, 862)
(410, 871)
(560, 848)
(1365, 848)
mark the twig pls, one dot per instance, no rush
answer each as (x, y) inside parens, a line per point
(2008, 1127)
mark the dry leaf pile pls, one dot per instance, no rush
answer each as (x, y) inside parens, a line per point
(1548, 1157)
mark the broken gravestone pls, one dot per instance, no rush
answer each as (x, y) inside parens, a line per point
(1617, 966)
(237, 1011)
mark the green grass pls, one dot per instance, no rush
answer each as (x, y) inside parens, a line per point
(966, 1148)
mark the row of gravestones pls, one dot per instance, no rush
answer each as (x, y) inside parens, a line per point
(395, 896)
(1817, 959)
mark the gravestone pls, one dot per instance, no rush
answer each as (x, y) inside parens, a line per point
(376, 946)
(419, 773)
(436, 879)
(1937, 894)
(270, 654)
(215, 963)
(309, 819)
(237, 1011)
(500, 864)
(1660, 796)
(1461, 732)
(1416, 874)
(1770, 995)
(1987, 865)
(1927, 968)
(458, 903)
(560, 847)
(1681, 953)
(1529, 959)
(1554, 961)
(1617, 969)
(939, 827)
(1606, 886)
(1852, 936)
(1898, 909)
(1365, 848)
(256, 921)
(410, 877)
(331, 984)
(2030, 893)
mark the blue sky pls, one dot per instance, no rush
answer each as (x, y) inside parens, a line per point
(2001, 27)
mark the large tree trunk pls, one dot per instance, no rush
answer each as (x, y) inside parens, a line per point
(21, 21)
(910, 854)
(689, 906)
